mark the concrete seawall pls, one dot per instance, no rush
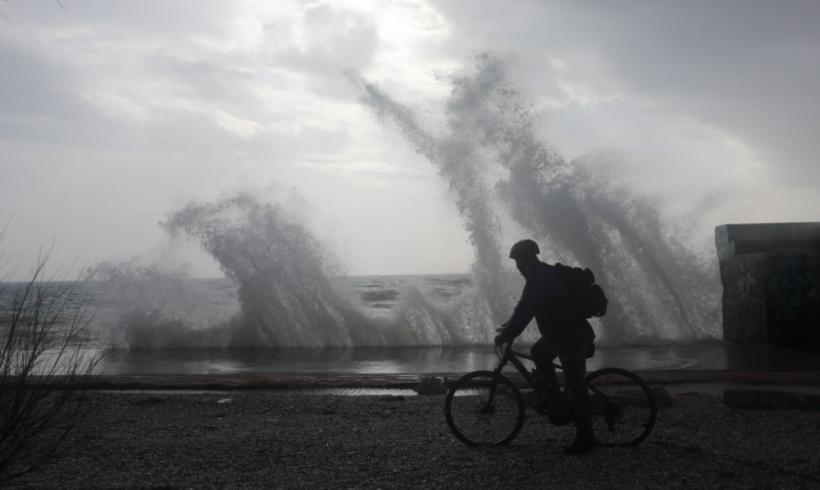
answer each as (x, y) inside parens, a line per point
(771, 282)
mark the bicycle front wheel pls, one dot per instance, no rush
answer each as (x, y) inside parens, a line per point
(484, 408)
(623, 407)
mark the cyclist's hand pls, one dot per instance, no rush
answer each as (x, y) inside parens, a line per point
(500, 339)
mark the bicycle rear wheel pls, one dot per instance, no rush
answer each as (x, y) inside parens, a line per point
(484, 408)
(624, 410)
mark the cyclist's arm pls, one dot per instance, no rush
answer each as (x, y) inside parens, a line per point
(522, 314)
(541, 292)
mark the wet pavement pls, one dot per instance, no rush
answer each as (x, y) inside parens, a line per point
(426, 360)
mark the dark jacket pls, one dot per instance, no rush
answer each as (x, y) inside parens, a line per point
(545, 297)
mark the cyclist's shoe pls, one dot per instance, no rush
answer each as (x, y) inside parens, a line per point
(580, 446)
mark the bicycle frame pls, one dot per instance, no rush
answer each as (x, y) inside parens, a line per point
(514, 358)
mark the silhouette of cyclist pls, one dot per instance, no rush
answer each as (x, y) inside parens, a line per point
(564, 333)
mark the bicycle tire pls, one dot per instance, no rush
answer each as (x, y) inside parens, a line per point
(475, 422)
(624, 410)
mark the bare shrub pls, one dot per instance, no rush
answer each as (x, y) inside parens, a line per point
(43, 368)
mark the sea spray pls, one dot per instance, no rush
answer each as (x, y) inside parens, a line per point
(281, 272)
(463, 167)
(660, 290)
(506, 184)
(287, 288)
(145, 306)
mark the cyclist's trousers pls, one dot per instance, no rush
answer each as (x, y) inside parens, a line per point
(574, 373)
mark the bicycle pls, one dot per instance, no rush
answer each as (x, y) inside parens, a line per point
(487, 408)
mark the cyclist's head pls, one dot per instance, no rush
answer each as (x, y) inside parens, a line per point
(524, 253)
(524, 250)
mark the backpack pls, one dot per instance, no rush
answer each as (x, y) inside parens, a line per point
(588, 298)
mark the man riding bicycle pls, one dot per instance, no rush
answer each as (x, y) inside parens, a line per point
(564, 333)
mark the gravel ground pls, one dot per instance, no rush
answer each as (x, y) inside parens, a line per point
(268, 439)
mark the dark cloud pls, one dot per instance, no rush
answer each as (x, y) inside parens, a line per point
(223, 79)
(36, 87)
(332, 41)
(50, 97)
(748, 67)
(190, 98)
(149, 21)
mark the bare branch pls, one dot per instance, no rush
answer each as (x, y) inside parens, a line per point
(42, 369)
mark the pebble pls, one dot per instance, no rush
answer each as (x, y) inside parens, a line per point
(698, 442)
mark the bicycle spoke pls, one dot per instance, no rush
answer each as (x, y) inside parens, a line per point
(623, 409)
(484, 409)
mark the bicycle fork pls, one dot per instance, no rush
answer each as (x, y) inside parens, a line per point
(489, 408)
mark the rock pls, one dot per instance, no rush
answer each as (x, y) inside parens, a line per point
(431, 385)
(225, 401)
(757, 398)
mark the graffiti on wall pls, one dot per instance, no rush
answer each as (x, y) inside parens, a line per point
(792, 297)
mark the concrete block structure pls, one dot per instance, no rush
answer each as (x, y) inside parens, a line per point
(771, 282)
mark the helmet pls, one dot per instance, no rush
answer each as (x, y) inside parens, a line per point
(524, 249)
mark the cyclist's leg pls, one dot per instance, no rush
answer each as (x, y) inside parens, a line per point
(573, 359)
(542, 355)
(574, 374)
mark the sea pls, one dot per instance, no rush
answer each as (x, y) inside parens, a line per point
(205, 303)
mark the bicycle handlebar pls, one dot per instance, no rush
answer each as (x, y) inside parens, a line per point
(501, 349)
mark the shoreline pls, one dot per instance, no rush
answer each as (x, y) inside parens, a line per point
(297, 381)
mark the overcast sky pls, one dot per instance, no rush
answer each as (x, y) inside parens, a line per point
(113, 114)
